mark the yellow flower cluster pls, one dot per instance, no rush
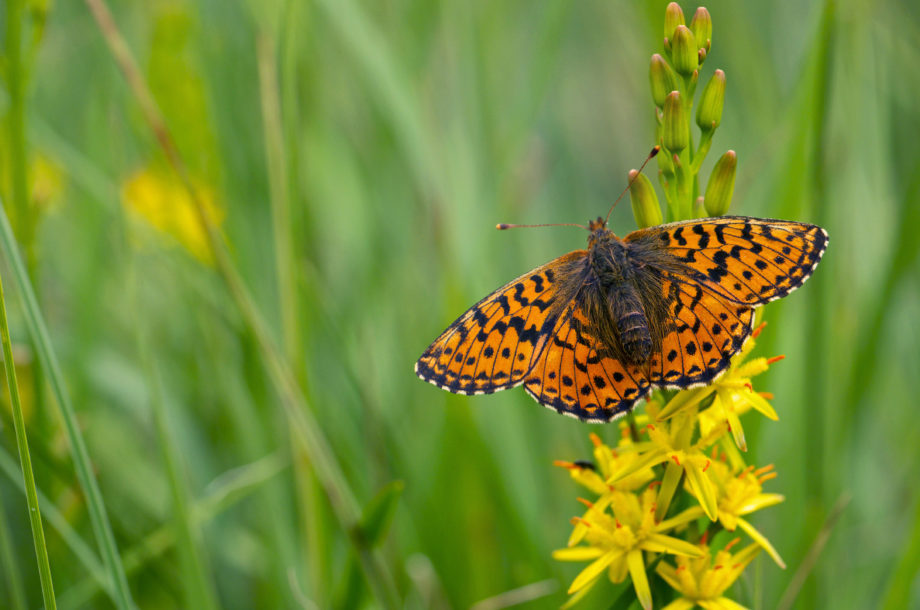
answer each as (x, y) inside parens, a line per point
(691, 444)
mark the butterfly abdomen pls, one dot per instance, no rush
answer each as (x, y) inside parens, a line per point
(631, 324)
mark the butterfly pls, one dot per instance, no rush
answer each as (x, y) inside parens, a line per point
(594, 331)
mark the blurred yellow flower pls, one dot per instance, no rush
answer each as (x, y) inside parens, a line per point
(702, 580)
(160, 199)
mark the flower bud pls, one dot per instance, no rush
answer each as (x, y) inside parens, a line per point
(721, 185)
(701, 26)
(645, 205)
(673, 17)
(662, 79)
(709, 111)
(684, 52)
(675, 128)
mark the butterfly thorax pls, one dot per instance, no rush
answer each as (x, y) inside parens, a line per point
(614, 296)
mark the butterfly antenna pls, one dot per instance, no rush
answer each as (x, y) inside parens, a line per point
(654, 152)
(502, 226)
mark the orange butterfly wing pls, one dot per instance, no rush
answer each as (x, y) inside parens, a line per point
(576, 375)
(499, 339)
(745, 260)
(705, 331)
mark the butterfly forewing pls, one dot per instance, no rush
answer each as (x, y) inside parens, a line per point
(745, 260)
(498, 340)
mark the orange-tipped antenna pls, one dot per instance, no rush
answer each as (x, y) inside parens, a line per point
(502, 226)
(654, 152)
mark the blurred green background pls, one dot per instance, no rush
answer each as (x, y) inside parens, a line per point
(394, 135)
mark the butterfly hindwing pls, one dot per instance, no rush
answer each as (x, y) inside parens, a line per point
(499, 339)
(745, 260)
(705, 331)
(576, 375)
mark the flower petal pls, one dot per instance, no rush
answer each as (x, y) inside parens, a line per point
(645, 460)
(702, 489)
(760, 501)
(639, 578)
(684, 400)
(578, 553)
(587, 576)
(723, 603)
(681, 603)
(762, 541)
(691, 514)
(659, 543)
(760, 403)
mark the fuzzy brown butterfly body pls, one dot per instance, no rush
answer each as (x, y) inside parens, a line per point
(592, 332)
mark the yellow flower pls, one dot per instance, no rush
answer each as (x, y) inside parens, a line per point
(734, 395)
(163, 201)
(615, 541)
(701, 581)
(670, 442)
(738, 495)
(608, 461)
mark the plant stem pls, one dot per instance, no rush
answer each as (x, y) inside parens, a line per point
(22, 442)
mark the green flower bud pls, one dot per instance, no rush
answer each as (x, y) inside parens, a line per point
(673, 17)
(709, 111)
(701, 26)
(721, 185)
(644, 201)
(684, 52)
(675, 128)
(662, 79)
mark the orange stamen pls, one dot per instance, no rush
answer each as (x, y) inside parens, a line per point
(775, 359)
(680, 567)
(758, 330)
(705, 538)
(614, 453)
(718, 567)
(767, 395)
(619, 525)
(764, 469)
(705, 468)
(767, 477)
(579, 520)
(564, 464)
(732, 543)
(649, 427)
(654, 484)
(676, 461)
(587, 503)
(595, 439)
(749, 386)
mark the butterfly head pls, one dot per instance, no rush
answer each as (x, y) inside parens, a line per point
(599, 232)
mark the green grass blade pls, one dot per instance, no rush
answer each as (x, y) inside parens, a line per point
(22, 442)
(199, 589)
(102, 527)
